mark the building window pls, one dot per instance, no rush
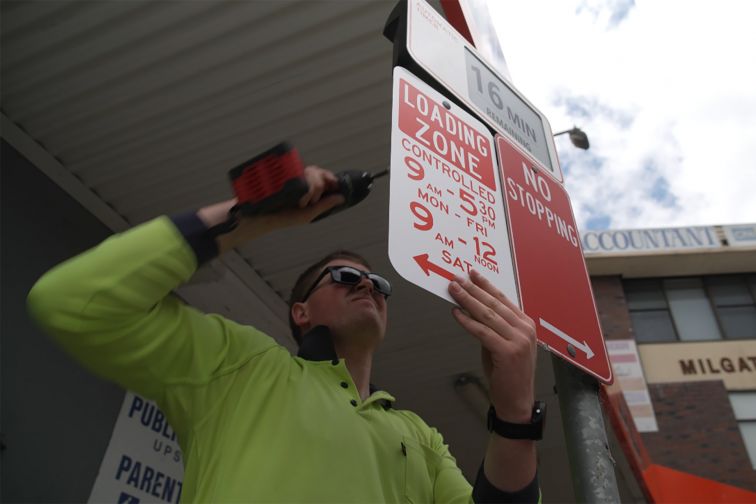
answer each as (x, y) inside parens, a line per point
(649, 311)
(692, 309)
(733, 300)
(744, 408)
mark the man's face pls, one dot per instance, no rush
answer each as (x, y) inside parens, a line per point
(348, 310)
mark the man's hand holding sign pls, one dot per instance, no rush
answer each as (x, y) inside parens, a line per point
(508, 349)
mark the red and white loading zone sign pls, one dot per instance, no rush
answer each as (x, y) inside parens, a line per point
(446, 212)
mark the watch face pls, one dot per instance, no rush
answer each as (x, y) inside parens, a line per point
(539, 418)
(539, 412)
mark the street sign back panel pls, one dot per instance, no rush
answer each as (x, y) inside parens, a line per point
(552, 278)
(442, 52)
(446, 211)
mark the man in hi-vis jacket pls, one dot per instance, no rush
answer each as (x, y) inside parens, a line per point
(257, 424)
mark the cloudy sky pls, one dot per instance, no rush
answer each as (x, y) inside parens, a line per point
(666, 91)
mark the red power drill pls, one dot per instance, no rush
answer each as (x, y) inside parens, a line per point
(275, 180)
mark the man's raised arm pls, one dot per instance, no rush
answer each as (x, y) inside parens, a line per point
(111, 307)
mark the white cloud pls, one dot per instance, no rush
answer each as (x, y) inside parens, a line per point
(668, 91)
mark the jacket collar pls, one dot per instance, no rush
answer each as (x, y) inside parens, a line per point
(317, 345)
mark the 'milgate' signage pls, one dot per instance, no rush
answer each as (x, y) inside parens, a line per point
(733, 362)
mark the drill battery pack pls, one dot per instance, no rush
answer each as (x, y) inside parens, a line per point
(269, 181)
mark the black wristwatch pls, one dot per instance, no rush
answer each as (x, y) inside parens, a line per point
(532, 430)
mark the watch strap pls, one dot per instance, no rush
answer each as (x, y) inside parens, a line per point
(532, 430)
(231, 223)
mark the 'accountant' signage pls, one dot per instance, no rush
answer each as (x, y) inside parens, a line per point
(628, 241)
(649, 240)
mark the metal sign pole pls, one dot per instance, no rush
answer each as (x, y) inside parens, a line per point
(591, 464)
(450, 65)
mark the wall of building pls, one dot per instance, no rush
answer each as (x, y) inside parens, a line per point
(698, 433)
(56, 417)
(611, 307)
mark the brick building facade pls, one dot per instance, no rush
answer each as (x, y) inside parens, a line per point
(699, 379)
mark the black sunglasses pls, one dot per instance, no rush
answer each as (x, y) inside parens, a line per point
(346, 275)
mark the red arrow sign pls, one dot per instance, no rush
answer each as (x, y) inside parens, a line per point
(427, 266)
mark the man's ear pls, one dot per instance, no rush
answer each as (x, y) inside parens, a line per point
(300, 314)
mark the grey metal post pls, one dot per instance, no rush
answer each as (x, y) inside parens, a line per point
(591, 465)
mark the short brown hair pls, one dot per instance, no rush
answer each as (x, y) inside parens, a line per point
(309, 275)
